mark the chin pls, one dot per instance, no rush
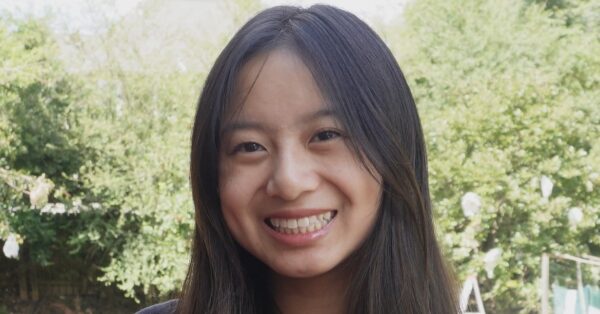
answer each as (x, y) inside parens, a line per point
(306, 270)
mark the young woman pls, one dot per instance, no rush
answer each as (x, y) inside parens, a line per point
(309, 177)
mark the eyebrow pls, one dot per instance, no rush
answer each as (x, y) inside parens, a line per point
(249, 125)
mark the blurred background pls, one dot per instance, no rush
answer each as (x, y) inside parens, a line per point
(97, 100)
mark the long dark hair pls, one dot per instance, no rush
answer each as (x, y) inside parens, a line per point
(399, 268)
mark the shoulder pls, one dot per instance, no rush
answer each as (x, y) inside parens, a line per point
(167, 307)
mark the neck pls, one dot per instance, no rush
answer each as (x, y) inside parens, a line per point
(320, 294)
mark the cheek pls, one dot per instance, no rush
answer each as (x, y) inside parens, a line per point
(360, 190)
(365, 205)
(234, 211)
(351, 177)
(237, 189)
(232, 196)
(366, 198)
(372, 190)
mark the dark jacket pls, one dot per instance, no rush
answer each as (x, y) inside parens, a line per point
(161, 308)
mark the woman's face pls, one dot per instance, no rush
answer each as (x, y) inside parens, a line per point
(292, 192)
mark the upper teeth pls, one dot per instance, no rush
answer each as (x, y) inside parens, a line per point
(304, 222)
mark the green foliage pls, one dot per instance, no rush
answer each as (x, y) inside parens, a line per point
(41, 149)
(94, 162)
(508, 93)
(144, 134)
(93, 165)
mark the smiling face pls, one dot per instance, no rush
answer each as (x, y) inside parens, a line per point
(292, 192)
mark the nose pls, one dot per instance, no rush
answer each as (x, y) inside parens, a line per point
(293, 174)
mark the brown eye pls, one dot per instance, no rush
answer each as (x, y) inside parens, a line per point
(248, 147)
(326, 135)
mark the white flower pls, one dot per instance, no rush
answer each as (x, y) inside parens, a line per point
(74, 210)
(47, 208)
(575, 215)
(95, 205)
(54, 208)
(589, 186)
(77, 202)
(471, 204)
(59, 208)
(491, 260)
(11, 247)
(546, 186)
(38, 196)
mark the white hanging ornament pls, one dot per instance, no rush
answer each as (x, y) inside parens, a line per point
(546, 185)
(491, 260)
(575, 215)
(471, 204)
(11, 247)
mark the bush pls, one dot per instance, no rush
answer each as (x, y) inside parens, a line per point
(508, 92)
(41, 149)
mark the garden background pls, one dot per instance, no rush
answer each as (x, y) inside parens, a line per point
(95, 135)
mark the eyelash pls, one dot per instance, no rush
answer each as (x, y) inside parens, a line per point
(239, 148)
(243, 147)
(330, 132)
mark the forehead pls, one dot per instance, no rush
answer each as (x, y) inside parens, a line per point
(276, 87)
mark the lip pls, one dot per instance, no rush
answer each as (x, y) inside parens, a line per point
(304, 239)
(299, 213)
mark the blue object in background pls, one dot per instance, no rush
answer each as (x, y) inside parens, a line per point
(566, 301)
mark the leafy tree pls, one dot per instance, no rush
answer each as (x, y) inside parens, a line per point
(41, 149)
(508, 92)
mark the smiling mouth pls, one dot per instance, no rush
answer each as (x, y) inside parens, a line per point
(301, 225)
